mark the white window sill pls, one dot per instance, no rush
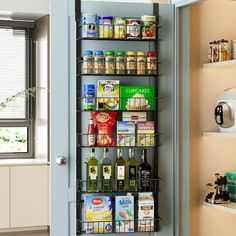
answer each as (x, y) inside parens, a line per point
(15, 162)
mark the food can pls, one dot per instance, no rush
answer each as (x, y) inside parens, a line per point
(105, 26)
(89, 97)
(119, 28)
(148, 27)
(89, 25)
(133, 28)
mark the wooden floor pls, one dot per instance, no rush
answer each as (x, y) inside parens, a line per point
(35, 233)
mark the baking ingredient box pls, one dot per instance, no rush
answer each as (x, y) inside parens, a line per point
(146, 133)
(134, 116)
(124, 213)
(145, 212)
(98, 211)
(137, 98)
(108, 94)
(125, 133)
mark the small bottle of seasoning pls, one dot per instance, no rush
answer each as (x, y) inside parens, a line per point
(131, 62)
(99, 62)
(88, 62)
(151, 63)
(141, 63)
(110, 62)
(120, 62)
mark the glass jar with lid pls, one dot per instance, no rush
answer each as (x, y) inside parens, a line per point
(151, 63)
(131, 62)
(110, 62)
(120, 62)
(141, 63)
(99, 62)
(88, 62)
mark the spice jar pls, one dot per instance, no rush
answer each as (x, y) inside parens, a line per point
(224, 50)
(110, 62)
(105, 26)
(88, 62)
(141, 63)
(148, 27)
(131, 62)
(233, 49)
(119, 28)
(120, 62)
(133, 28)
(151, 63)
(99, 62)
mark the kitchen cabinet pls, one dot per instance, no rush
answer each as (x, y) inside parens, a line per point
(4, 197)
(29, 196)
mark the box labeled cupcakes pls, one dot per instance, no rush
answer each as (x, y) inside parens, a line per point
(137, 98)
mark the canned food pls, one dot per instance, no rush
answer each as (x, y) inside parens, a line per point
(110, 62)
(99, 62)
(141, 63)
(131, 62)
(105, 27)
(88, 62)
(148, 27)
(151, 63)
(89, 25)
(119, 28)
(89, 97)
(120, 62)
(133, 28)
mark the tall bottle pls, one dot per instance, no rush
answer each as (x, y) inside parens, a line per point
(144, 170)
(92, 172)
(120, 171)
(91, 134)
(132, 171)
(106, 172)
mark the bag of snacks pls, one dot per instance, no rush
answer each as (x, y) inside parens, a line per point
(104, 122)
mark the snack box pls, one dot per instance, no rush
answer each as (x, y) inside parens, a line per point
(125, 133)
(145, 212)
(98, 211)
(146, 133)
(137, 98)
(136, 117)
(108, 92)
(231, 177)
(124, 213)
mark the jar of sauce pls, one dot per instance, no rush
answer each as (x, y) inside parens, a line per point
(120, 62)
(99, 62)
(88, 62)
(151, 63)
(131, 62)
(110, 63)
(141, 63)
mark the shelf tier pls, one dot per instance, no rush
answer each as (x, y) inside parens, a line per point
(135, 222)
(220, 64)
(121, 75)
(229, 208)
(219, 134)
(113, 39)
(119, 111)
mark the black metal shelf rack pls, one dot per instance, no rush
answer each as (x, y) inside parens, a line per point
(81, 184)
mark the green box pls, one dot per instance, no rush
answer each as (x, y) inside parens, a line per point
(232, 192)
(137, 98)
(231, 177)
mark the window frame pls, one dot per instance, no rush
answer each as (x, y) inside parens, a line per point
(29, 121)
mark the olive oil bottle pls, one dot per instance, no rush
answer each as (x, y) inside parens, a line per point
(120, 172)
(92, 172)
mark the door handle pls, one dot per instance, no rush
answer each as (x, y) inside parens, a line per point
(61, 161)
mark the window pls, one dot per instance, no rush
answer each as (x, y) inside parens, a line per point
(16, 76)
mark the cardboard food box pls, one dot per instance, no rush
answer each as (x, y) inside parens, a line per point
(137, 98)
(146, 133)
(145, 212)
(134, 116)
(125, 133)
(124, 216)
(98, 211)
(108, 92)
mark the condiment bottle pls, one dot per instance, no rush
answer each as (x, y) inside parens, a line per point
(120, 62)
(88, 62)
(151, 63)
(141, 63)
(91, 133)
(110, 62)
(99, 62)
(131, 62)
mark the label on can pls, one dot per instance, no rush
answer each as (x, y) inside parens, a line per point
(89, 26)
(89, 94)
(133, 28)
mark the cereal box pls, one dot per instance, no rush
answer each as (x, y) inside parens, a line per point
(146, 133)
(124, 213)
(134, 116)
(145, 212)
(125, 133)
(98, 211)
(108, 94)
(137, 98)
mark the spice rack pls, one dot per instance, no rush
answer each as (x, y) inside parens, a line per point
(152, 115)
